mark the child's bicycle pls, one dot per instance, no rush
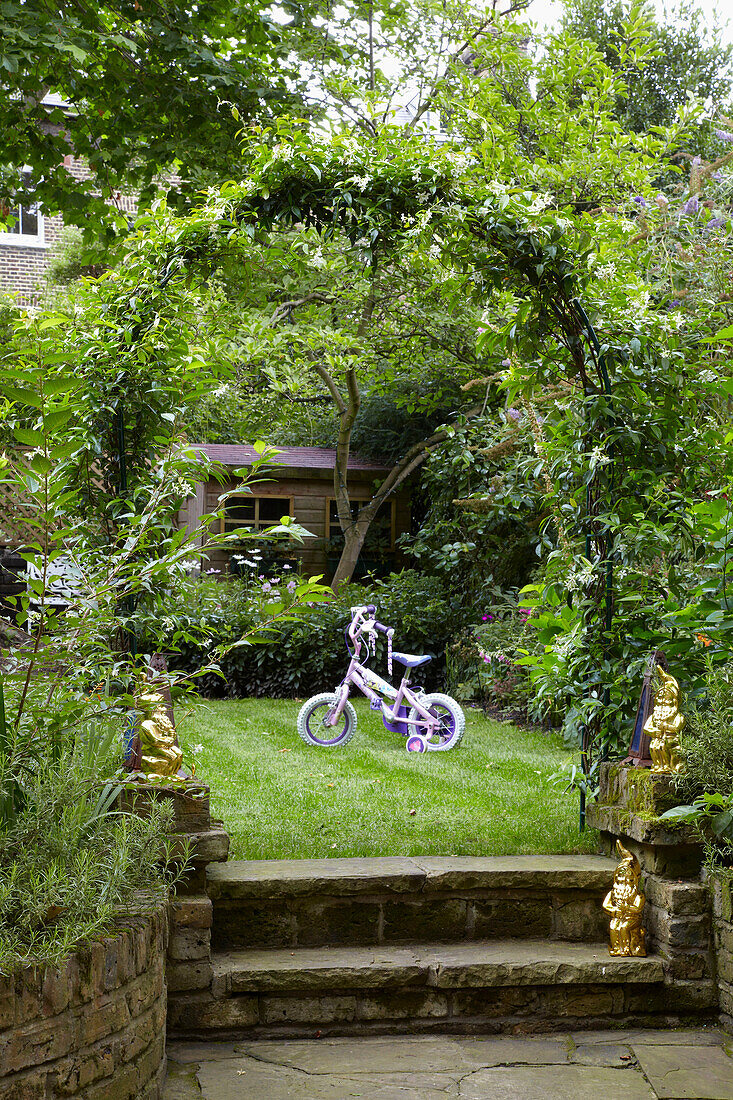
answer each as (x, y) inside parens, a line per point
(430, 722)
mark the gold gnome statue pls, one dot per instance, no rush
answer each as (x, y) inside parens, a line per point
(159, 750)
(664, 726)
(625, 902)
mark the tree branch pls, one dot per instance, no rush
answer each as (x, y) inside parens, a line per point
(286, 308)
(331, 386)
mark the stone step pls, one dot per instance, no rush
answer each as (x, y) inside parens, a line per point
(489, 986)
(299, 903)
(442, 966)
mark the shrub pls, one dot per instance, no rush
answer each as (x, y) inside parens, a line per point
(308, 655)
(69, 864)
(482, 661)
(707, 742)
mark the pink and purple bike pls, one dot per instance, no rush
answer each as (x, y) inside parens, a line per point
(430, 722)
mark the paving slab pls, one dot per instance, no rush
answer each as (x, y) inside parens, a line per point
(601, 1054)
(686, 1072)
(320, 968)
(473, 964)
(534, 962)
(181, 1082)
(246, 1079)
(712, 1036)
(274, 878)
(453, 1056)
(554, 1083)
(184, 1053)
(524, 872)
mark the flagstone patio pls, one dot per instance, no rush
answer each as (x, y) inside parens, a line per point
(616, 1065)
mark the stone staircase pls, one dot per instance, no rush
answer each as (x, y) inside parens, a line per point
(454, 945)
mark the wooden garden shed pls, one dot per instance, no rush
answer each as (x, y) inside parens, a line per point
(301, 486)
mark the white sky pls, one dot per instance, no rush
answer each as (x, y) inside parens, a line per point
(547, 13)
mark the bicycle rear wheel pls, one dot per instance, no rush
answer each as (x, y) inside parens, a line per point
(449, 726)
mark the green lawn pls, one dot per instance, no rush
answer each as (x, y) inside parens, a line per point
(282, 799)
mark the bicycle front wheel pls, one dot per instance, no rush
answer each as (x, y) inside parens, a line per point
(312, 720)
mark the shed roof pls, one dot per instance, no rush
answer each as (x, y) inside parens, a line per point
(304, 458)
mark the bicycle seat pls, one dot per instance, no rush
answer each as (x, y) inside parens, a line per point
(409, 660)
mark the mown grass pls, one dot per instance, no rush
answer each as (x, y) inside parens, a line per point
(282, 799)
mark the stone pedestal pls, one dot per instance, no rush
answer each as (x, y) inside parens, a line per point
(677, 914)
(190, 913)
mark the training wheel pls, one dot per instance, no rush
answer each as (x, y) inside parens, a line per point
(416, 743)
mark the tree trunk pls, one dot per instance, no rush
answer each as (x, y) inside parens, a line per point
(354, 540)
(355, 532)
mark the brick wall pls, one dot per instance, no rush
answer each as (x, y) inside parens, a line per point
(23, 267)
(94, 1028)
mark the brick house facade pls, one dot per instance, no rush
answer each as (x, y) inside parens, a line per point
(26, 249)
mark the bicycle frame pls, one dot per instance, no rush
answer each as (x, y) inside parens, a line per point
(371, 685)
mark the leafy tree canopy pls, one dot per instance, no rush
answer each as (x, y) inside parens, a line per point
(152, 85)
(688, 58)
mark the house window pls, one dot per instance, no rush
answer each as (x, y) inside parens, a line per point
(23, 224)
(255, 512)
(381, 534)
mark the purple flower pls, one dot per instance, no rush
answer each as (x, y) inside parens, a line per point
(724, 136)
(515, 414)
(483, 618)
(691, 206)
(714, 223)
(267, 587)
(640, 200)
(696, 161)
(673, 304)
(292, 585)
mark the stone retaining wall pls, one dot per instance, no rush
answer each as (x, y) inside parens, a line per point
(720, 888)
(95, 1027)
(677, 915)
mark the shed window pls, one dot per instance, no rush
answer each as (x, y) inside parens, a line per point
(381, 533)
(255, 512)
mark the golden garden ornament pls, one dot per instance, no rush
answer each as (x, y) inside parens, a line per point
(664, 726)
(625, 902)
(160, 752)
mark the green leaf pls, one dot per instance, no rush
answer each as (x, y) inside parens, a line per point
(22, 396)
(29, 436)
(41, 465)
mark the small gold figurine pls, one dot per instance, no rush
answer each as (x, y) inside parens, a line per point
(664, 726)
(625, 902)
(159, 750)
